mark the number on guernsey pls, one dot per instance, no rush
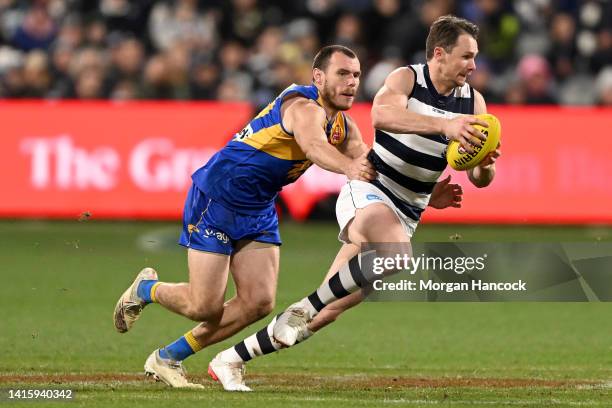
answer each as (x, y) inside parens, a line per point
(244, 133)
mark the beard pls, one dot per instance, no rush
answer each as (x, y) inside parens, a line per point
(329, 96)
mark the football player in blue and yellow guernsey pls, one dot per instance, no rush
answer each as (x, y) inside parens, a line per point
(230, 222)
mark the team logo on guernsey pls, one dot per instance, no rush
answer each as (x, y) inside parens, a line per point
(336, 135)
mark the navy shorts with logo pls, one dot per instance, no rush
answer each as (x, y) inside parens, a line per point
(212, 227)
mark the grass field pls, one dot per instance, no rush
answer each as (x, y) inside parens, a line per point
(60, 281)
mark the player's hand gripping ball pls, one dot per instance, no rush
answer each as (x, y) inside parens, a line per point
(459, 159)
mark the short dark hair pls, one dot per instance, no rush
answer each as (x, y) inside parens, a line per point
(321, 60)
(445, 31)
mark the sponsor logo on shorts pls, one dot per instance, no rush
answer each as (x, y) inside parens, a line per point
(220, 236)
(373, 197)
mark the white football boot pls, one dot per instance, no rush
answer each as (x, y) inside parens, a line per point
(129, 306)
(168, 371)
(229, 374)
(291, 325)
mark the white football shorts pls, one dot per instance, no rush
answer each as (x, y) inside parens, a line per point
(357, 194)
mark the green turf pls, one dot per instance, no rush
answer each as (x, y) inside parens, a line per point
(60, 281)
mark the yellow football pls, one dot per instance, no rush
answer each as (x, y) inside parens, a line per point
(459, 159)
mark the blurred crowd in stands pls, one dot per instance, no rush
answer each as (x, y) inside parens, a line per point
(531, 51)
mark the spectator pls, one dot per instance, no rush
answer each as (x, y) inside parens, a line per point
(375, 77)
(252, 49)
(604, 87)
(602, 57)
(37, 30)
(127, 60)
(89, 84)
(302, 33)
(233, 57)
(156, 80)
(177, 64)
(124, 90)
(381, 23)
(260, 64)
(205, 80)
(13, 83)
(499, 31)
(61, 58)
(535, 80)
(87, 68)
(243, 20)
(71, 32)
(409, 33)
(127, 17)
(95, 34)
(594, 40)
(562, 53)
(11, 72)
(182, 23)
(231, 91)
(348, 30)
(36, 75)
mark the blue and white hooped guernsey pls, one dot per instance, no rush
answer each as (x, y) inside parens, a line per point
(409, 165)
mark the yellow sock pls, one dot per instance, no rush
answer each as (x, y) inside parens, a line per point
(193, 342)
(153, 290)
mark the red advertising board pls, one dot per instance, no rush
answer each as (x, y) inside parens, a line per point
(133, 160)
(128, 160)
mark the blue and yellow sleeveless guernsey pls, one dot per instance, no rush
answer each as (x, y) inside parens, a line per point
(232, 197)
(247, 174)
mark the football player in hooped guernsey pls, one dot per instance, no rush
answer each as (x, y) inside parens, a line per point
(419, 109)
(230, 222)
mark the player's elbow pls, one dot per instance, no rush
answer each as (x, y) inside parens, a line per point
(379, 117)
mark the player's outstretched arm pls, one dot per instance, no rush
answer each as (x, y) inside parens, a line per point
(354, 146)
(389, 113)
(483, 174)
(306, 120)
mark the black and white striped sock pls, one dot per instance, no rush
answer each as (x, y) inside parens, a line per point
(347, 280)
(344, 282)
(258, 344)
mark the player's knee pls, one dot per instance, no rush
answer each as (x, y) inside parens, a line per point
(377, 223)
(259, 309)
(201, 312)
(264, 308)
(388, 230)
